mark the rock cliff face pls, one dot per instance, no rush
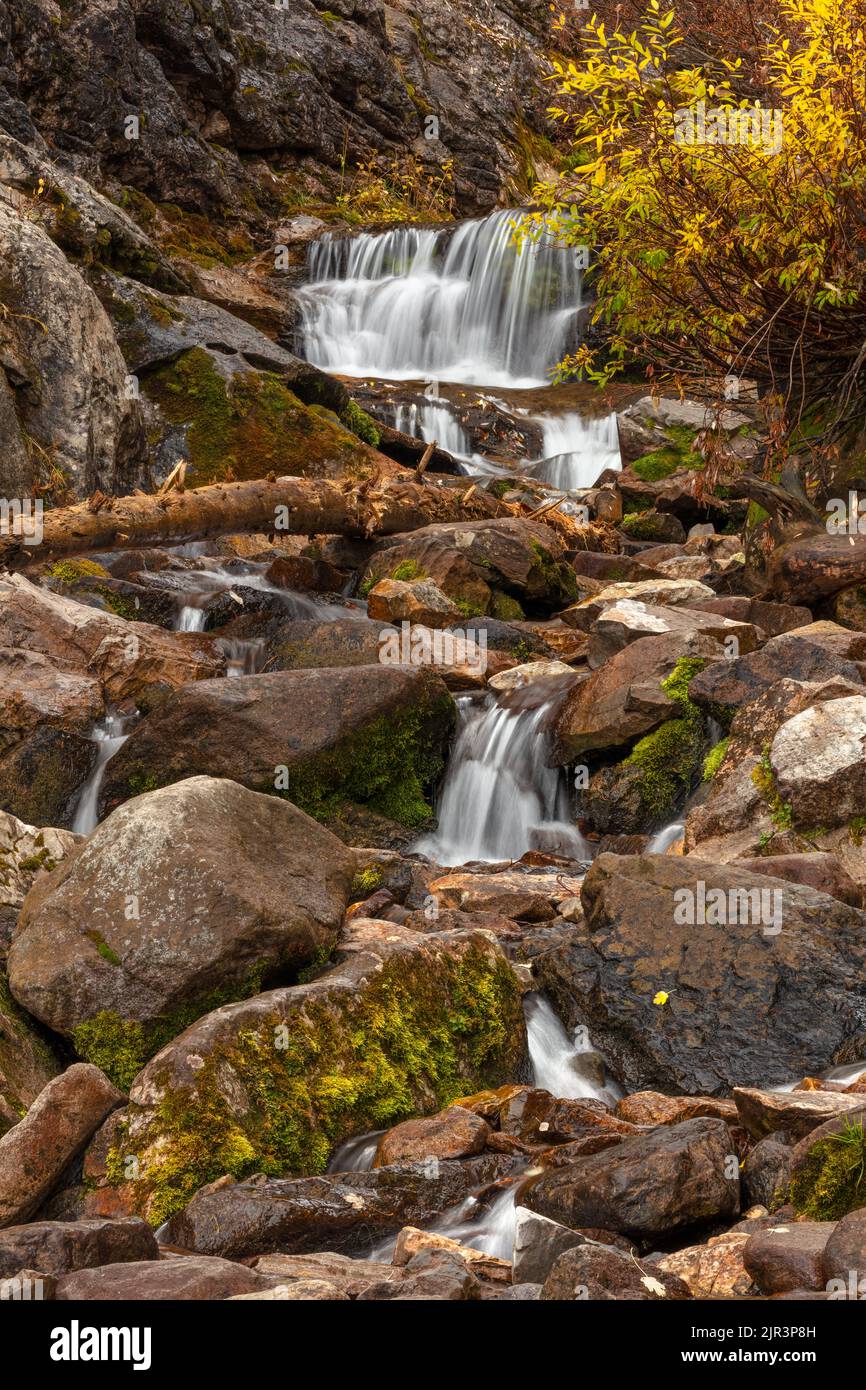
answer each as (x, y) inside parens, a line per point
(153, 148)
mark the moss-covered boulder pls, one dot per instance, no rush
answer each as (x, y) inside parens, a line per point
(498, 566)
(828, 1169)
(372, 735)
(403, 1024)
(181, 900)
(237, 422)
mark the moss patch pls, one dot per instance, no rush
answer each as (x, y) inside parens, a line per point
(715, 758)
(121, 1047)
(419, 1035)
(832, 1181)
(70, 572)
(679, 453)
(669, 759)
(762, 776)
(387, 766)
(249, 425)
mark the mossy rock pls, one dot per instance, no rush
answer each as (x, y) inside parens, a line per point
(402, 1026)
(830, 1180)
(249, 424)
(660, 527)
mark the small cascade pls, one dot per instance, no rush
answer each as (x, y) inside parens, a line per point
(356, 1155)
(190, 619)
(577, 450)
(109, 735)
(499, 798)
(567, 1067)
(662, 841)
(466, 304)
(218, 578)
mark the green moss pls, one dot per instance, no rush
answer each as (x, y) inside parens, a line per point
(669, 759)
(832, 1180)
(559, 579)
(366, 882)
(318, 962)
(419, 1034)
(361, 424)
(69, 572)
(781, 811)
(406, 571)
(40, 860)
(468, 609)
(679, 453)
(117, 604)
(645, 526)
(121, 1047)
(506, 608)
(248, 425)
(385, 766)
(856, 828)
(715, 758)
(140, 782)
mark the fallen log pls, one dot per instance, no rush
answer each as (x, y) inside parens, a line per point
(296, 506)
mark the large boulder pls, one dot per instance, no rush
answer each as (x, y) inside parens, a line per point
(56, 1128)
(680, 1003)
(477, 564)
(818, 762)
(59, 1247)
(593, 1272)
(169, 909)
(370, 735)
(69, 377)
(184, 1278)
(646, 1187)
(27, 1060)
(624, 698)
(26, 852)
(655, 593)
(402, 1024)
(630, 619)
(804, 654)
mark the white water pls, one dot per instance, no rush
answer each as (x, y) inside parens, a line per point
(662, 841)
(218, 578)
(109, 735)
(577, 450)
(567, 1067)
(499, 799)
(464, 305)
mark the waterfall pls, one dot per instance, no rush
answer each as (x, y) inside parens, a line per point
(109, 735)
(499, 799)
(662, 841)
(218, 578)
(466, 305)
(577, 450)
(564, 1066)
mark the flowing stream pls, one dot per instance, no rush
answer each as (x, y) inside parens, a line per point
(499, 798)
(109, 735)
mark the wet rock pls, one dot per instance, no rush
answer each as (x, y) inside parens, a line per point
(302, 1290)
(652, 1108)
(610, 569)
(304, 572)
(714, 1270)
(826, 1172)
(453, 1133)
(374, 1036)
(766, 1171)
(518, 641)
(738, 1003)
(437, 1274)
(788, 1257)
(371, 735)
(411, 1240)
(181, 1277)
(470, 562)
(793, 1113)
(818, 870)
(535, 1116)
(36, 1151)
(818, 762)
(344, 1212)
(528, 672)
(414, 601)
(599, 1273)
(181, 909)
(647, 1186)
(538, 1243)
(310, 643)
(59, 1247)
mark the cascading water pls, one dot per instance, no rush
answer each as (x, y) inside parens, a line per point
(466, 305)
(662, 841)
(499, 798)
(564, 1066)
(577, 450)
(109, 735)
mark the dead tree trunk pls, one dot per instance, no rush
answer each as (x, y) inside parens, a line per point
(298, 506)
